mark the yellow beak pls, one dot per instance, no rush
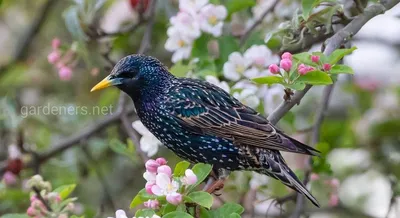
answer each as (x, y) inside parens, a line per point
(106, 82)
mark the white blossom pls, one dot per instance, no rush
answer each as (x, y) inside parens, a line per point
(235, 66)
(186, 24)
(211, 19)
(192, 6)
(14, 152)
(148, 143)
(261, 57)
(273, 96)
(164, 185)
(178, 43)
(247, 97)
(215, 81)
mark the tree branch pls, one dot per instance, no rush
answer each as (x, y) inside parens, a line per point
(333, 43)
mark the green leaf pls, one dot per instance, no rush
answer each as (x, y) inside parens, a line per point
(269, 80)
(15, 215)
(201, 198)
(200, 48)
(315, 77)
(65, 190)
(71, 17)
(141, 197)
(179, 69)
(177, 214)
(202, 171)
(227, 210)
(304, 58)
(237, 5)
(169, 208)
(338, 54)
(296, 85)
(234, 215)
(144, 213)
(339, 68)
(307, 6)
(180, 168)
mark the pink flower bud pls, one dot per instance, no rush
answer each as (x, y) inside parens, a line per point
(286, 64)
(9, 178)
(314, 177)
(303, 69)
(65, 73)
(31, 211)
(333, 200)
(161, 161)
(165, 169)
(148, 187)
(33, 198)
(287, 55)
(334, 183)
(55, 43)
(174, 198)
(274, 69)
(327, 67)
(152, 165)
(315, 58)
(153, 204)
(53, 57)
(190, 178)
(63, 216)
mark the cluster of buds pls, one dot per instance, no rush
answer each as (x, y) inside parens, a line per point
(161, 182)
(43, 205)
(333, 184)
(286, 64)
(325, 66)
(62, 60)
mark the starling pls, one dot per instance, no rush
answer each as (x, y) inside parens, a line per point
(200, 122)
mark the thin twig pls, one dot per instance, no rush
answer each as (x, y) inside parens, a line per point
(40, 197)
(246, 35)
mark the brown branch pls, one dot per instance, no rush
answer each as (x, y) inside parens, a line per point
(333, 43)
(40, 197)
(246, 35)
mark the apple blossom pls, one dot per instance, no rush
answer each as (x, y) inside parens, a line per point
(215, 81)
(327, 67)
(165, 169)
(192, 6)
(65, 73)
(174, 198)
(235, 66)
(315, 58)
(161, 161)
(286, 64)
(153, 204)
(186, 24)
(190, 178)
(287, 55)
(53, 57)
(148, 142)
(55, 43)
(151, 165)
(164, 186)
(211, 19)
(274, 69)
(178, 43)
(247, 97)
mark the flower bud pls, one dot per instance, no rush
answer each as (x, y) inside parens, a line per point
(165, 169)
(286, 64)
(274, 69)
(287, 55)
(315, 58)
(190, 178)
(54, 197)
(327, 67)
(148, 187)
(31, 211)
(53, 57)
(174, 198)
(333, 200)
(9, 178)
(55, 43)
(161, 161)
(303, 69)
(152, 204)
(152, 165)
(65, 73)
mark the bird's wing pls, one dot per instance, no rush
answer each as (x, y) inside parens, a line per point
(206, 109)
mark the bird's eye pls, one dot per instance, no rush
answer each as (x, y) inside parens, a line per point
(125, 75)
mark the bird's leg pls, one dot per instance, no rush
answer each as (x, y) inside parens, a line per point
(218, 184)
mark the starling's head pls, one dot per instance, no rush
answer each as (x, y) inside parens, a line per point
(135, 72)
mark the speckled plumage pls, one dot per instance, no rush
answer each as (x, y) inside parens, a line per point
(202, 123)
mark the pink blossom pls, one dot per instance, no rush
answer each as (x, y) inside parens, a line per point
(315, 58)
(53, 57)
(9, 178)
(274, 69)
(174, 198)
(148, 187)
(165, 169)
(161, 161)
(33, 198)
(55, 43)
(327, 67)
(334, 183)
(153, 204)
(286, 64)
(303, 69)
(63, 216)
(31, 211)
(65, 73)
(190, 178)
(152, 165)
(333, 200)
(287, 55)
(314, 177)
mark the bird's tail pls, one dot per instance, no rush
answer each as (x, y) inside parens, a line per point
(279, 170)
